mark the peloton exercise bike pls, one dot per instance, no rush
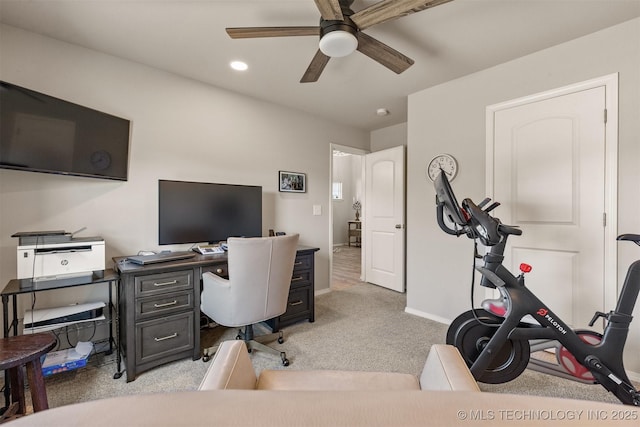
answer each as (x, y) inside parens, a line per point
(496, 342)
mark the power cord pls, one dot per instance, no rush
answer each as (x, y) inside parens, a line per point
(78, 330)
(33, 274)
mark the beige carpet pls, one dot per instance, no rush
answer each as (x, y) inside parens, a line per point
(358, 327)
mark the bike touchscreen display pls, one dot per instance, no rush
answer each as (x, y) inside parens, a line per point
(445, 195)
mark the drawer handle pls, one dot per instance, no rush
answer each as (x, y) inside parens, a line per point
(168, 337)
(173, 282)
(297, 263)
(166, 304)
(292, 304)
(296, 279)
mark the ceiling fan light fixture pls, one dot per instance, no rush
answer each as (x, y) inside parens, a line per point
(338, 43)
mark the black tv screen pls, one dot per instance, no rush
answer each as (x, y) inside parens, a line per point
(40, 133)
(199, 212)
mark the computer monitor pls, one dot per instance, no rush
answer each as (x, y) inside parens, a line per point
(199, 212)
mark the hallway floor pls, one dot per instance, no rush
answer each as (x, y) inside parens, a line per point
(346, 267)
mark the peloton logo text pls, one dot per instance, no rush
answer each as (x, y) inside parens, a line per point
(545, 313)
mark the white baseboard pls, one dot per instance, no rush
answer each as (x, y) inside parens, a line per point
(322, 291)
(427, 315)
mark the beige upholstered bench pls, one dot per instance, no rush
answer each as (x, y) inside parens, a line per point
(228, 396)
(231, 368)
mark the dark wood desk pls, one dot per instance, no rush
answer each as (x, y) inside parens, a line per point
(160, 306)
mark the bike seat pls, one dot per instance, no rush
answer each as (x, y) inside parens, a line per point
(631, 238)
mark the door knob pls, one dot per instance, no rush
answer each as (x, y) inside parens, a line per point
(398, 226)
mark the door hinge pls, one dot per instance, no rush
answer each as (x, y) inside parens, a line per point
(605, 115)
(604, 219)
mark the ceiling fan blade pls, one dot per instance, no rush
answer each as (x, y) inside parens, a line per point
(314, 70)
(387, 10)
(255, 32)
(330, 10)
(380, 52)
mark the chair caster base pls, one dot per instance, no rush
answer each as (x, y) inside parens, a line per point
(285, 361)
(208, 353)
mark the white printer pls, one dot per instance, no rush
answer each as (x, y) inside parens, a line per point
(55, 255)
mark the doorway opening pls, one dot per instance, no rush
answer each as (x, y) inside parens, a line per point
(347, 205)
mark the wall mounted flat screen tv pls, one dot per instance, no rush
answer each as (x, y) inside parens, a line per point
(40, 133)
(200, 212)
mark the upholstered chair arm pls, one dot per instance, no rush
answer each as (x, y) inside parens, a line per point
(230, 369)
(445, 369)
(215, 299)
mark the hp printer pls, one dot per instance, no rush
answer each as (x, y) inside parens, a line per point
(56, 255)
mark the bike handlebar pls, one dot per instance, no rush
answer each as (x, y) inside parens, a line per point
(473, 221)
(443, 226)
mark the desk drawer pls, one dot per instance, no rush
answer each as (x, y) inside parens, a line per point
(163, 337)
(162, 305)
(221, 270)
(297, 303)
(300, 278)
(302, 262)
(164, 282)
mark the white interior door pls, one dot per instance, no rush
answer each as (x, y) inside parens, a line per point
(384, 238)
(549, 161)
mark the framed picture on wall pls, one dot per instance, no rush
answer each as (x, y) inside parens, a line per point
(292, 182)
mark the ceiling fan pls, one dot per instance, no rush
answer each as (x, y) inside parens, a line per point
(340, 32)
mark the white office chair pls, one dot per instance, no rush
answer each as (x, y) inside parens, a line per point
(260, 271)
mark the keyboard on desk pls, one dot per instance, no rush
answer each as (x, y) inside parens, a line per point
(161, 257)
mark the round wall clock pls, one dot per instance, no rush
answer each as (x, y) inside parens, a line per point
(446, 162)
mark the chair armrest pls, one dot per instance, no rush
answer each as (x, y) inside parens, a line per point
(215, 280)
(445, 369)
(215, 299)
(230, 369)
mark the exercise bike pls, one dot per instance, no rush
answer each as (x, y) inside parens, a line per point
(496, 341)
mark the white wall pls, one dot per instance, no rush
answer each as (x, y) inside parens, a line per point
(389, 137)
(181, 129)
(451, 118)
(348, 170)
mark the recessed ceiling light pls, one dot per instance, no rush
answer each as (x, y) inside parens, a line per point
(239, 65)
(382, 112)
